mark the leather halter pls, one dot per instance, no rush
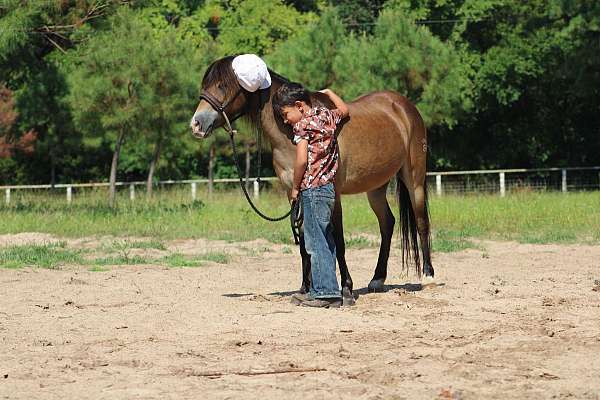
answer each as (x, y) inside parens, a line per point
(220, 107)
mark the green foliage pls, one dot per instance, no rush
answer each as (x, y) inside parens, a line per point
(255, 26)
(448, 241)
(179, 260)
(43, 256)
(409, 59)
(359, 15)
(526, 61)
(143, 83)
(526, 217)
(218, 257)
(309, 56)
(516, 81)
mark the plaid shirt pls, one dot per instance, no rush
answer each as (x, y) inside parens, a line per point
(318, 127)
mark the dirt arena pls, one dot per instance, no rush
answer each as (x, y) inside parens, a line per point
(506, 321)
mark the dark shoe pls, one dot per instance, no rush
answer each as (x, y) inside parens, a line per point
(298, 298)
(333, 302)
(302, 299)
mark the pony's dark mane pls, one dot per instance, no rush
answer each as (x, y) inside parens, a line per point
(219, 71)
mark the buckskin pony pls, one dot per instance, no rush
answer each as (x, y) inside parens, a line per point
(383, 137)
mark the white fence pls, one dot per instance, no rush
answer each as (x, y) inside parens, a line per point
(486, 181)
(501, 181)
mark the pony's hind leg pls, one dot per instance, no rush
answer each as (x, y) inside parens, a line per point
(422, 217)
(412, 197)
(340, 252)
(379, 204)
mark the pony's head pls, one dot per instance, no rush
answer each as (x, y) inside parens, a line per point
(220, 89)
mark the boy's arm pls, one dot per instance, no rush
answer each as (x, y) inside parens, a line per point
(338, 102)
(299, 166)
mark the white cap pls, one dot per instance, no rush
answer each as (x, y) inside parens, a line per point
(251, 72)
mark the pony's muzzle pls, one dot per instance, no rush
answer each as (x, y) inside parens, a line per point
(202, 123)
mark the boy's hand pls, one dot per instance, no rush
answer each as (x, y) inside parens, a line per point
(337, 101)
(295, 194)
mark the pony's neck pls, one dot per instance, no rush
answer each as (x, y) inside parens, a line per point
(279, 136)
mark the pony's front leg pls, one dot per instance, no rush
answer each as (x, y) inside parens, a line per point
(340, 252)
(305, 288)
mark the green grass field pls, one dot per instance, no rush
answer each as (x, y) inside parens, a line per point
(525, 217)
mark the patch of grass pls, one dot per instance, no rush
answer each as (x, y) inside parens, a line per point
(547, 237)
(286, 250)
(148, 244)
(121, 260)
(43, 256)
(531, 217)
(97, 268)
(216, 256)
(179, 260)
(359, 242)
(450, 241)
(126, 244)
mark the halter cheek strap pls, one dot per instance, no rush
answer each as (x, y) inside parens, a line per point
(220, 108)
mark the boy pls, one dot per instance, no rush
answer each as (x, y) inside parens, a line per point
(314, 175)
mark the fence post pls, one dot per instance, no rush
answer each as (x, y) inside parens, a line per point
(7, 196)
(69, 194)
(132, 192)
(256, 189)
(193, 191)
(502, 185)
(564, 180)
(438, 184)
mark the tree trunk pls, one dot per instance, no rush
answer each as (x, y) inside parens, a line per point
(247, 165)
(113, 169)
(211, 167)
(153, 162)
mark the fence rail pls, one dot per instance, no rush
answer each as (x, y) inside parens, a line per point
(499, 180)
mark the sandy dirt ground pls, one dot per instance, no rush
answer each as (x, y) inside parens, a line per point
(507, 321)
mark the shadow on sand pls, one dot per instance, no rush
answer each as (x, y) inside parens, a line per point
(409, 287)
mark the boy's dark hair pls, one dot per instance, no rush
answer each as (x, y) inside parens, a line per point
(288, 94)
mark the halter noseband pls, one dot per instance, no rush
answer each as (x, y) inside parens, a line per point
(220, 108)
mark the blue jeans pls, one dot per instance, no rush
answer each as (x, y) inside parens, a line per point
(317, 206)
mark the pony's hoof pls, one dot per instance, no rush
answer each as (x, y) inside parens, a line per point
(427, 280)
(428, 271)
(347, 298)
(376, 285)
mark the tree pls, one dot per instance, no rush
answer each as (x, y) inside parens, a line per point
(359, 15)
(103, 85)
(23, 144)
(256, 26)
(407, 58)
(535, 83)
(143, 83)
(308, 57)
(34, 36)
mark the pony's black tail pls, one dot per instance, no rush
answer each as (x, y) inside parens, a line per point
(408, 228)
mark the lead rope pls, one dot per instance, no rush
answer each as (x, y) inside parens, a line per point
(243, 186)
(258, 156)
